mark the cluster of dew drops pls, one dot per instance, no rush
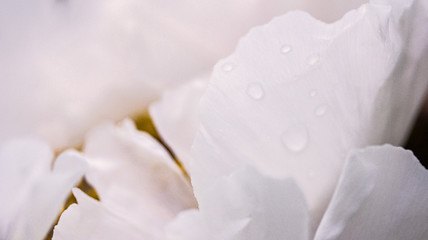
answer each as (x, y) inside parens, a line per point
(296, 137)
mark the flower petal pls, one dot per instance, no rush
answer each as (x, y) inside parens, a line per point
(32, 193)
(246, 205)
(176, 117)
(91, 220)
(68, 65)
(382, 194)
(292, 101)
(135, 177)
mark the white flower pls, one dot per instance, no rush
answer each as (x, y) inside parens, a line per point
(275, 155)
(66, 66)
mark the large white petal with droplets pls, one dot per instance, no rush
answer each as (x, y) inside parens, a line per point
(135, 177)
(32, 194)
(382, 194)
(298, 94)
(245, 205)
(176, 117)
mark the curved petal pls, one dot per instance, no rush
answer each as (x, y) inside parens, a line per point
(246, 205)
(382, 194)
(89, 219)
(68, 65)
(32, 193)
(292, 101)
(135, 177)
(176, 117)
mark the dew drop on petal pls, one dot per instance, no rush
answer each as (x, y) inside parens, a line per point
(313, 59)
(320, 110)
(286, 49)
(228, 67)
(295, 138)
(255, 91)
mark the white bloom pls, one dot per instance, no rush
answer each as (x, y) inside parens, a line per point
(32, 191)
(68, 65)
(293, 103)
(278, 120)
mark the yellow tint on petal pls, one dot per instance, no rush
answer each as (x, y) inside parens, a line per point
(145, 123)
(86, 188)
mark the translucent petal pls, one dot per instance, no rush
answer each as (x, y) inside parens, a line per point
(245, 205)
(135, 177)
(32, 193)
(298, 94)
(90, 220)
(382, 194)
(176, 117)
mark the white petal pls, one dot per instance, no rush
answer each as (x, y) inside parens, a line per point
(382, 194)
(176, 117)
(135, 177)
(246, 205)
(91, 220)
(292, 101)
(32, 193)
(68, 65)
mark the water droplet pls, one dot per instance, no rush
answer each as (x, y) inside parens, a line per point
(320, 110)
(313, 93)
(286, 49)
(295, 138)
(228, 67)
(255, 91)
(313, 59)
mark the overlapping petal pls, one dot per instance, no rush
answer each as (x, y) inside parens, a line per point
(90, 219)
(290, 102)
(298, 94)
(137, 181)
(135, 177)
(246, 205)
(176, 117)
(32, 194)
(382, 194)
